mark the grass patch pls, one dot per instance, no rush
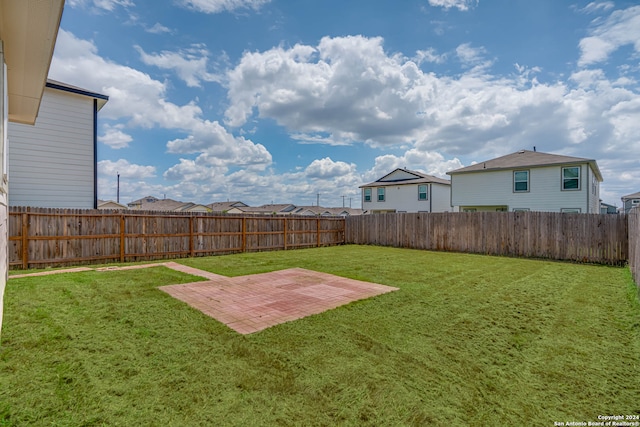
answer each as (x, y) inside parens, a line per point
(468, 340)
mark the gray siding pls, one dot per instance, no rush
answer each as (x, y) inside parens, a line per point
(52, 163)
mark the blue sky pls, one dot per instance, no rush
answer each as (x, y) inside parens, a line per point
(281, 100)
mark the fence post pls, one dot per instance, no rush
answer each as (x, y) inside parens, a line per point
(284, 230)
(122, 228)
(244, 234)
(191, 242)
(318, 231)
(25, 240)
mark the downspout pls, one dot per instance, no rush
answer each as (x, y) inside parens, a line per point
(95, 153)
(588, 190)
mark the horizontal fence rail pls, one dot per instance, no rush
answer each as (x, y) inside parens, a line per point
(561, 236)
(59, 237)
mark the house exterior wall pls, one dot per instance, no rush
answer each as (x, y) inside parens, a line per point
(52, 163)
(495, 188)
(404, 198)
(628, 204)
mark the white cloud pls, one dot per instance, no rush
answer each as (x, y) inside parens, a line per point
(328, 169)
(621, 28)
(217, 6)
(108, 5)
(595, 7)
(428, 55)
(429, 162)
(158, 28)
(189, 64)
(462, 5)
(125, 169)
(114, 137)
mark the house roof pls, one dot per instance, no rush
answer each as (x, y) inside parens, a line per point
(110, 204)
(54, 84)
(28, 29)
(631, 196)
(151, 203)
(224, 206)
(526, 158)
(417, 178)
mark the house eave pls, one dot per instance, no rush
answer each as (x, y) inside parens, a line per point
(591, 163)
(28, 29)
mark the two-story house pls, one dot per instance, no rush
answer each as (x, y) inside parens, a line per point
(528, 181)
(405, 190)
(53, 164)
(630, 201)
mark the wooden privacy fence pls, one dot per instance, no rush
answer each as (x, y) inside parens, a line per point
(561, 236)
(56, 237)
(634, 244)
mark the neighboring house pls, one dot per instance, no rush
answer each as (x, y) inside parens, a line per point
(320, 211)
(277, 209)
(405, 190)
(630, 201)
(151, 203)
(528, 181)
(223, 207)
(53, 164)
(606, 208)
(110, 204)
(28, 31)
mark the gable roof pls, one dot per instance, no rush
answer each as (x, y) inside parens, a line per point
(632, 196)
(54, 84)
(224, 206)
(526, 158)
(414, 177)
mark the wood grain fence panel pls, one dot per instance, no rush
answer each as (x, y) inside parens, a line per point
(550, 235)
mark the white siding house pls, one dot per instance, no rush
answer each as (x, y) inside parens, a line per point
(53, 163)
(404, 190)
(28, 31)
(530, 181)
(630, 201)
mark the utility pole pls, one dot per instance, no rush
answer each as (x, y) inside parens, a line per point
(118, 190)
(318, 199)
(343, 201)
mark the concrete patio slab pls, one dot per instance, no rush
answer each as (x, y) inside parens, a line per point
(252, 303)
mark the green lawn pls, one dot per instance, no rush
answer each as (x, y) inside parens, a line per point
(467, 340)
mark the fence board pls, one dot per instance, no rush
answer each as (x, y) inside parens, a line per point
(588, 238)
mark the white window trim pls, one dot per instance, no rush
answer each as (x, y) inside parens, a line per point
(571, 210)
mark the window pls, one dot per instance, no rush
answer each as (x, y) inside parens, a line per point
(422, 192)
(570, 210)
(520, 209)
(571, 178)
(381, 194)
(635, 202)
(367, 194)
(468, 209)
(520, 181)
(502, 209)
